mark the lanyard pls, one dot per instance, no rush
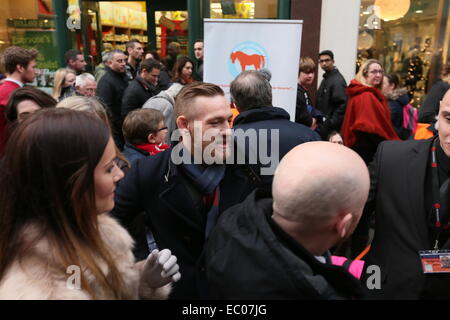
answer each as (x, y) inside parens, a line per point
(440, 216)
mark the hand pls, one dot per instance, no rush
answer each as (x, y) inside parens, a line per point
(160, 268)
(314, 124)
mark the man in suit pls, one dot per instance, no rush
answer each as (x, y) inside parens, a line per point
(410, 196)
(184, 189)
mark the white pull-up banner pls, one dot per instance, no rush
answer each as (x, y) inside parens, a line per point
(236, 45)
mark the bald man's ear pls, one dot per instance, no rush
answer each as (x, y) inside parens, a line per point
(344, 225)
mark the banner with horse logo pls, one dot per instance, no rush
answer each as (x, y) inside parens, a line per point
(235, 45)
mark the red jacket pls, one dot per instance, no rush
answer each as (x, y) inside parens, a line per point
(6, 88)
(367, 111)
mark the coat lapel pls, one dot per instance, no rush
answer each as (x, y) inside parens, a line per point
(179, 199)
(416, 171)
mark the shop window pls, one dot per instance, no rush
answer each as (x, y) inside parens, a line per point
(243, 9)
(121, 22)
(410, 37)
(31, 24)
(171, 26)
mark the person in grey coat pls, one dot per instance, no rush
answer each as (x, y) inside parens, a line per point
(164, 102)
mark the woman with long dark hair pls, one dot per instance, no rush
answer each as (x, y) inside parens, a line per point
(57, 183)
(182, 71)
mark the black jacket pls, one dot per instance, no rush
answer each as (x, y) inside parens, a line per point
(110, 90)
(397, 100)
(430, 107)
(332, 101)
(136, 94)
(302, 114)
(397, 195)
(249, 256)
(291, 134)
(174, 211)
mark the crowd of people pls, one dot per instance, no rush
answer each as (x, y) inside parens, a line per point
(153, 185)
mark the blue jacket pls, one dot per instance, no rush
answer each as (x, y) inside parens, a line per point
(291, 134)
(132, 153)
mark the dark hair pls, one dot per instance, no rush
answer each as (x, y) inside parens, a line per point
(150, 64)
(307, 65)
(38, 96)
(251, 90)
(393, 79)
(155, 55)
(178, 69)
(13, 56)
(187, 95)
(71, 55)
(139, 123)
(130, 44)
(198, 40)
(327, 53)
(47, 181)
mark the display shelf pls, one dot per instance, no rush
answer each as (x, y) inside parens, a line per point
(116, 37)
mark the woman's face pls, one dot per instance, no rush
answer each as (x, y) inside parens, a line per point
(106, 175)
(186, 72)
(69, 79)
(25, 108)
(387, 88)
(374, 75)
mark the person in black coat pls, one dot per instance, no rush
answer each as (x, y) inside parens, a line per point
(398, 98)
(331, 96)
(405, 186)
(430, 107)
(110, 90)
(266, 248)
(305, 113)
(182, 199)
(142, 88)
(252, 96)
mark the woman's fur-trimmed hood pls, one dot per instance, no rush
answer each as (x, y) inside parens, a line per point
(396, 93)
(38, 277)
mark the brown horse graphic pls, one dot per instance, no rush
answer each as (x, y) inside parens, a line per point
(256, 60)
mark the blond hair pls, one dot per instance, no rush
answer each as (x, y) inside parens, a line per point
(363, 72)
(58, 82)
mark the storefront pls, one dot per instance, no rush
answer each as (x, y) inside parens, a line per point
(95, 26)
(158, 22)
(410, 37)
(31, 24)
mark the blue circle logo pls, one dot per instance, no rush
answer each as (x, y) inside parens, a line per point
(247, 55)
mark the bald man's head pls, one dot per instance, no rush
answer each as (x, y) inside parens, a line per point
(316, 182)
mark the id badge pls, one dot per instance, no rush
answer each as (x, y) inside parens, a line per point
(435, 261)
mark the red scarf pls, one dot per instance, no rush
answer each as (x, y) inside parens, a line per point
(367, 111)
(152, 148)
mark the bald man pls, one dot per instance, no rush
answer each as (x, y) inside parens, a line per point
(410, 196)
(277, 248)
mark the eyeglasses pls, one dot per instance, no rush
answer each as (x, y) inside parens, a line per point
(324, 60)
(163, 128)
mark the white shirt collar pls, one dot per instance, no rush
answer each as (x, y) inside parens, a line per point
(15, 81)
